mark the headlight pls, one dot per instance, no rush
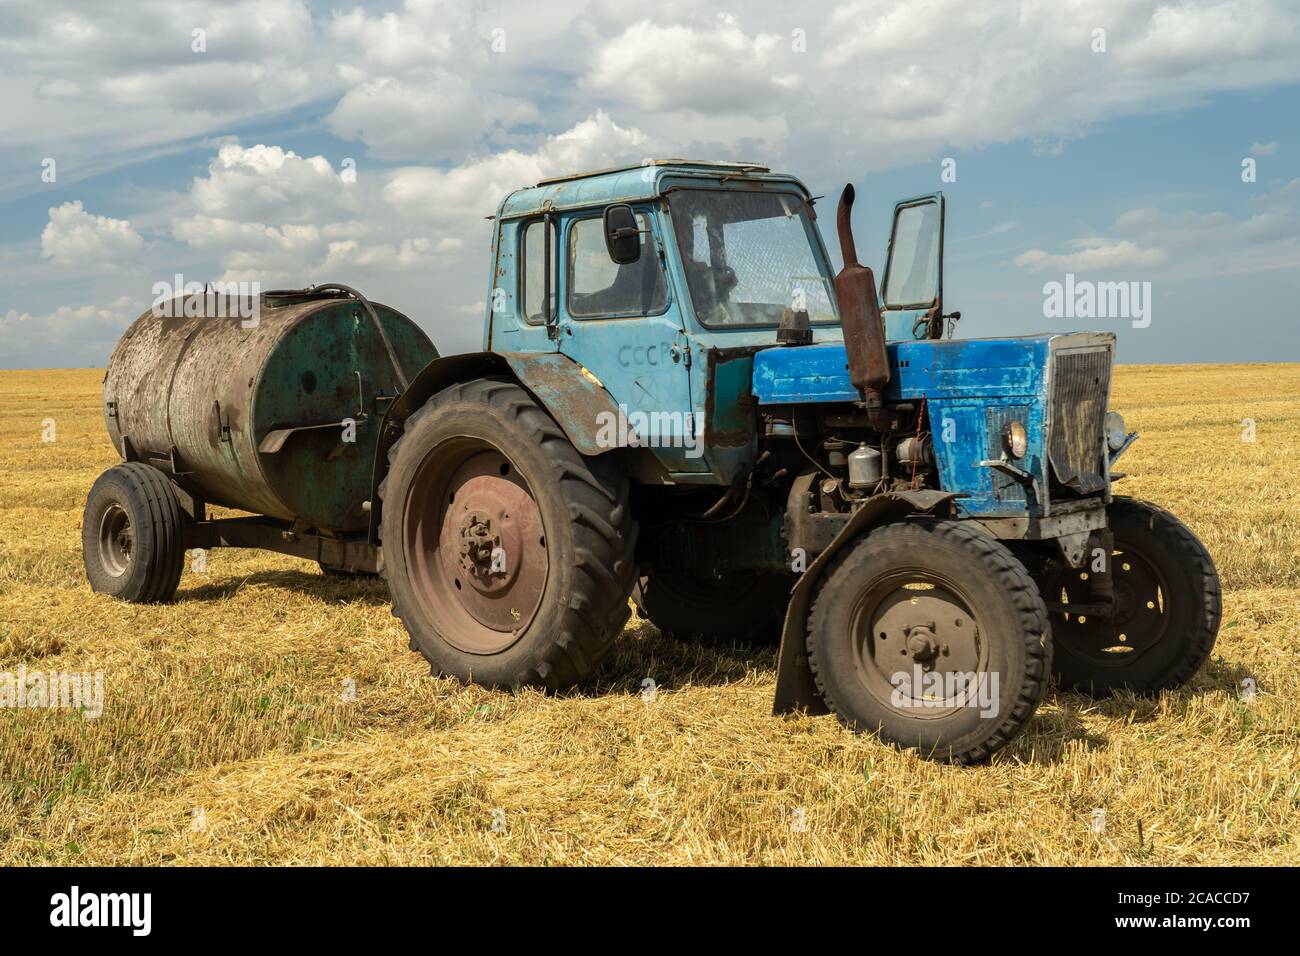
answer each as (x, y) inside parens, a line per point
(1015, 440)
(1116, 431)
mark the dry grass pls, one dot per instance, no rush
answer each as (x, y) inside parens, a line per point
(230, 701)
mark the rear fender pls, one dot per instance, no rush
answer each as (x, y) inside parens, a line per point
(795, 687)
(570, 394)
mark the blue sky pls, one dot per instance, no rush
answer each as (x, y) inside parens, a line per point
(1122, 165)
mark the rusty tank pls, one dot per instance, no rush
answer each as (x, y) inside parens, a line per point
(268, 404)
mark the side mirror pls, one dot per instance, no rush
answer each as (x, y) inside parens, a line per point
(622, 236)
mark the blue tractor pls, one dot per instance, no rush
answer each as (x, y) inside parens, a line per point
(680, 402)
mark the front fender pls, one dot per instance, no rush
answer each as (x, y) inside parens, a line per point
(795, 687)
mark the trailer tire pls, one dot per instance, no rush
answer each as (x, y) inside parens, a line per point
(945, 596)
(1168, 605)
(132, 535)
(750, 609)
(561, 522)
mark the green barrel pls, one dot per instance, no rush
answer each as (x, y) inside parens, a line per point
(277, 415)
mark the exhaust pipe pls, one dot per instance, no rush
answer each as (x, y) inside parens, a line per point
(864, 333)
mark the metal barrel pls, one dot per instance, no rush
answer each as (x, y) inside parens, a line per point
(269, 405)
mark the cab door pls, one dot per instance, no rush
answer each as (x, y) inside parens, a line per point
(623, 324)
(912, 291)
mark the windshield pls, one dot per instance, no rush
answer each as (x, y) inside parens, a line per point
(749, 256)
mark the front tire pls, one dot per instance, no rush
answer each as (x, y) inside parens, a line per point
(508, 554)
(933, 635)
(132, 535)
(1167, 608)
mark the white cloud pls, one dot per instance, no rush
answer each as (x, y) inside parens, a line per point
(267, 214)
(473, 190)
(579, 84)
(78, 239)
(96, 85)
(1092, 255)
(434, 115)
(715, 69)
(270, 183)
(1187, 244)
(67, 337)
(883, 81)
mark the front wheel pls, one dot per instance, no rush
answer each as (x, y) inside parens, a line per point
(932, 634)
(1167, 607)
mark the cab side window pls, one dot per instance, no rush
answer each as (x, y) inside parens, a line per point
(532, 256)
(601, 287)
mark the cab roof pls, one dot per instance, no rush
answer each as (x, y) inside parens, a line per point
(629, 184)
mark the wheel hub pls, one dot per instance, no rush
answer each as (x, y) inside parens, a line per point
(921, 642)
(913, 626)
(116, 540)
(1137, 622)
(487, 539)
(484, 573)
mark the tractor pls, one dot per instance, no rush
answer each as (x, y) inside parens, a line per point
(680, 405)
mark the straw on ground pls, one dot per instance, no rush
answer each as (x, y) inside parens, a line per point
(231, 733)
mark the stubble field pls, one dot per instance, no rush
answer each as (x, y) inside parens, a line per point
(227, 736)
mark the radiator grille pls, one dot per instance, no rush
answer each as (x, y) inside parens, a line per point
(1005, 487)
(1080, 384)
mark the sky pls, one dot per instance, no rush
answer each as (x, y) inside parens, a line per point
(290, 143)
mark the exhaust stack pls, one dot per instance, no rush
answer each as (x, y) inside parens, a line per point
(855, 293)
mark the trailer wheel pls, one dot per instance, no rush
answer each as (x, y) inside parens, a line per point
(132, 535)
(933, 635)
(508, 554)
(1167, 607)
(715, 610)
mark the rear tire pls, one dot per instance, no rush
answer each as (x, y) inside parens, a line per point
(746, 607)
(508, 554)
(132, 535)
(914, 601)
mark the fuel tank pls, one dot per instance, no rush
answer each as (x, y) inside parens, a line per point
(273, 407)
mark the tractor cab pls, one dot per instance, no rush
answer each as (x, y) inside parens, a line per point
(662, 281)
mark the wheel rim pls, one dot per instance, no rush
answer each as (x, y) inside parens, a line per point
(116, 540)
(475, 546)
(1141, 617)
(920, 625)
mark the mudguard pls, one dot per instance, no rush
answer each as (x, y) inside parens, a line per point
(572, 395)
(795, 688)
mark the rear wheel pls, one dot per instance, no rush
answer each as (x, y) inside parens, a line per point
(933, 635)
(508, 554)
(1167, 607)
(132, 535)
(716, 609)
